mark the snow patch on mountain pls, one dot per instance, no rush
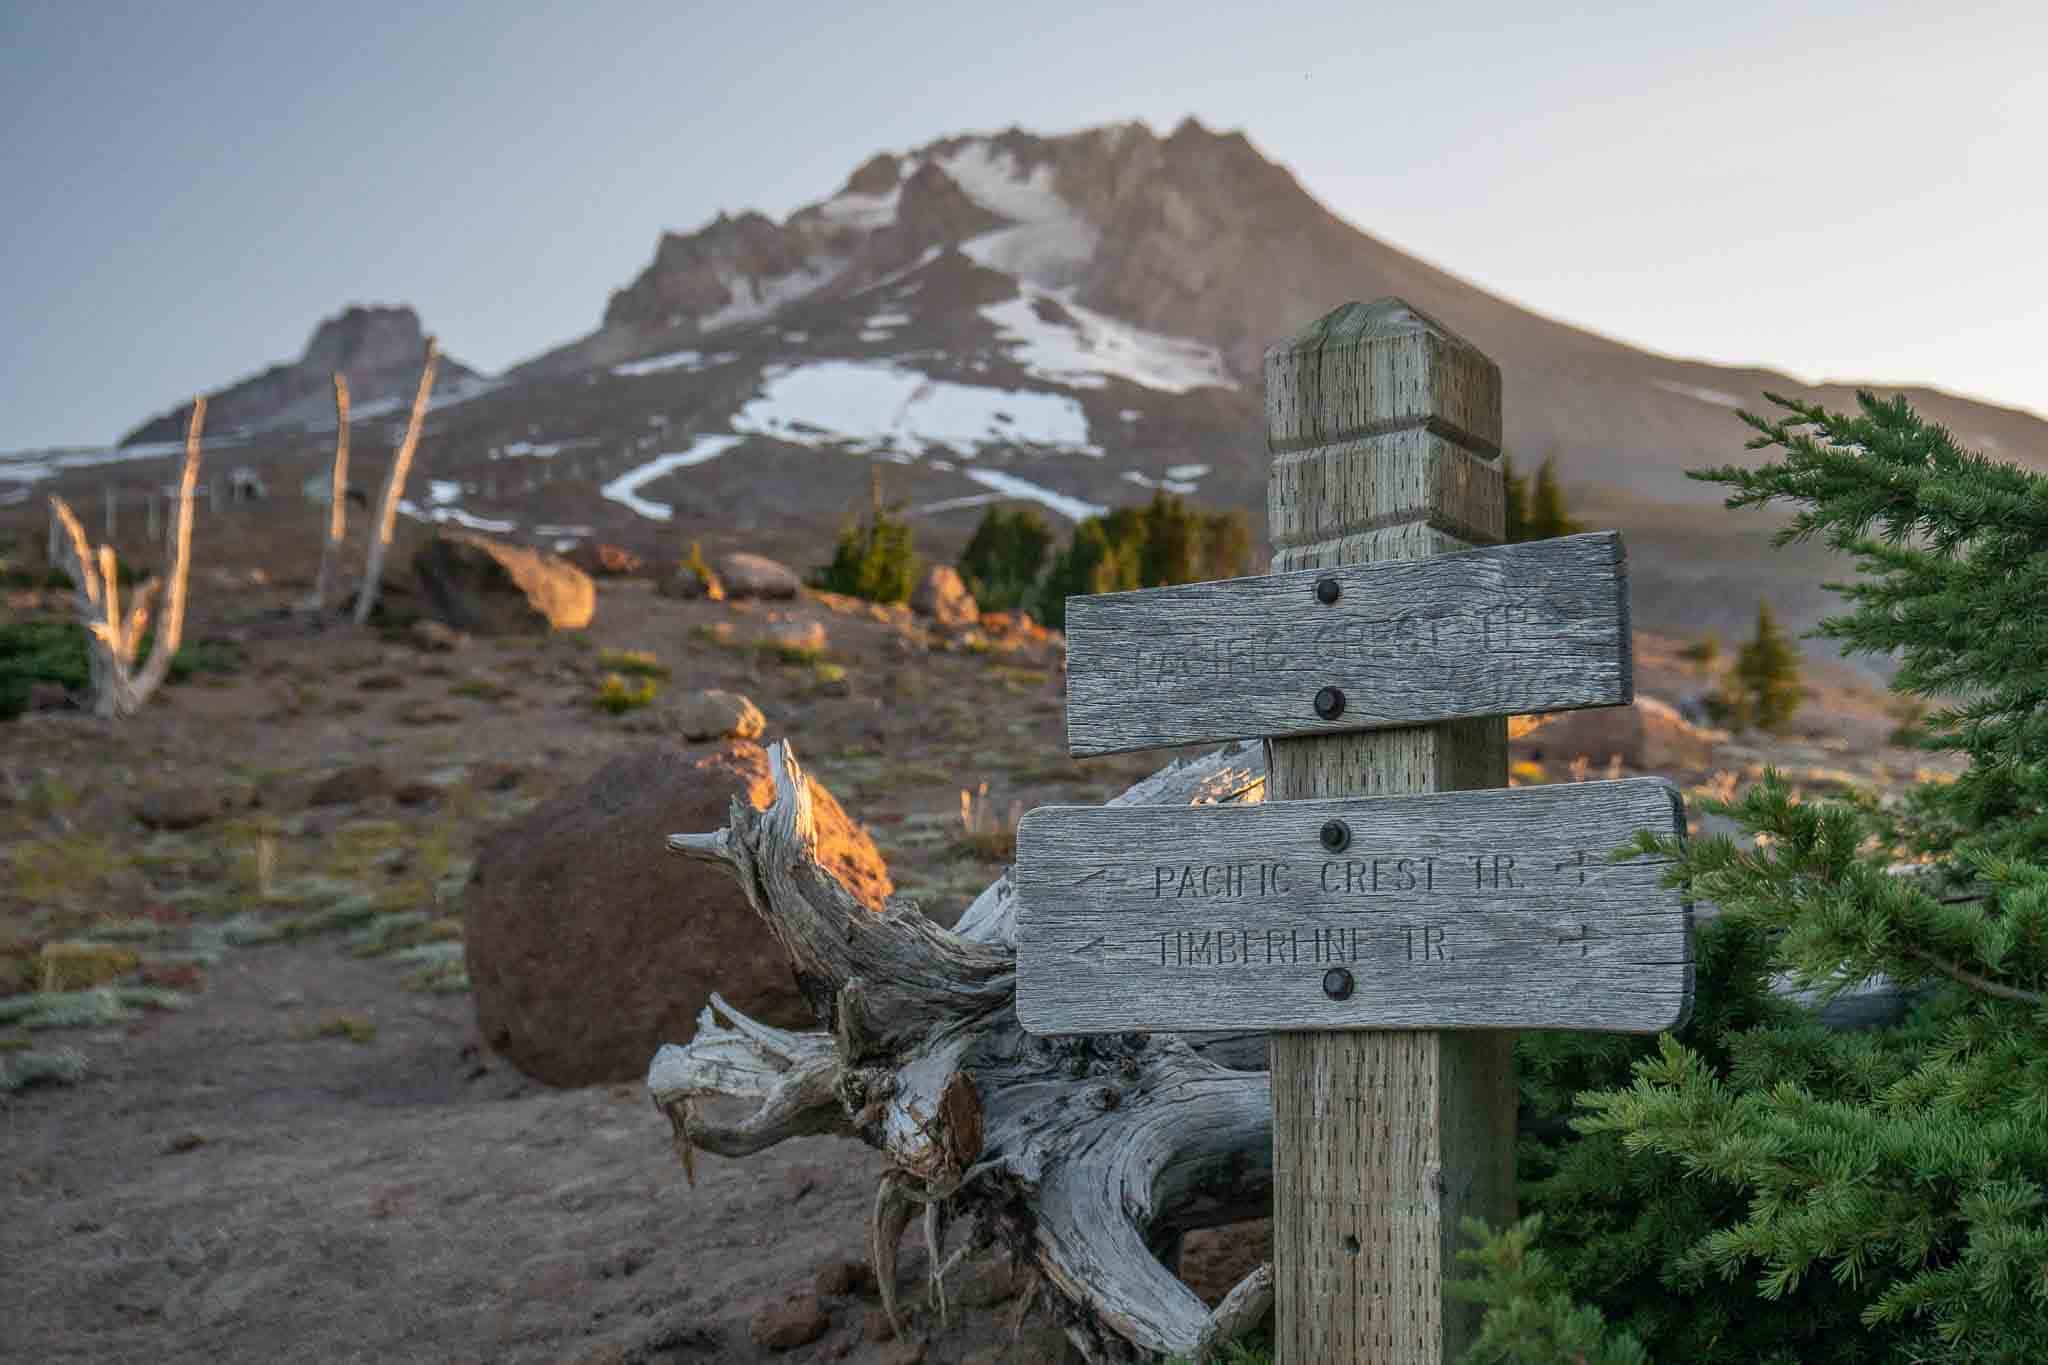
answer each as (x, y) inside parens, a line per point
(1051, 243)
(626, 488)
(1084, 349)
(753, 300)
(877, 407)
(1714, 396)
(1074, 509)
(867, 211)
(1144, 480)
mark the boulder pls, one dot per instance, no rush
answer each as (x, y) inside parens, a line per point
(179, 808)
(348, 786)
(797, 1321)
(944, 597)
(795, 639)
(487, 587)
(746, 575)
(1650, 736)
(606, 560)
(589, 944)
(713, 714)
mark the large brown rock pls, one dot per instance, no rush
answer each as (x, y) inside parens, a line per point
(602, 559)
(488, 587)
(943, 596)
(746, 575)
(1649, 736)
(589, 944)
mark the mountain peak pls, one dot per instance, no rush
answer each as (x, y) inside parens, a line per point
(380, 347)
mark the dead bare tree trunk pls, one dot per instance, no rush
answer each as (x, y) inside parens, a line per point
(394, 488)
(112, 637)
(1078, 1155)
(337, 512)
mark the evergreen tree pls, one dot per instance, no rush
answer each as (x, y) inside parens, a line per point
(1003, 560)
(1161, 543)
(1546, 518)
(1765, 680)
(1515, 488)
(874, 559)
(1755, 1187)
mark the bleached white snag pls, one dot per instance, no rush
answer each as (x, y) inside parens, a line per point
(337, 508)
(114, 636)
(394, 490)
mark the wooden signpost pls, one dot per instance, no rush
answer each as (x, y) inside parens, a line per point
(1387, 920)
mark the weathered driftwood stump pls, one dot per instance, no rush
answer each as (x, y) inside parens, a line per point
(1085, 1158)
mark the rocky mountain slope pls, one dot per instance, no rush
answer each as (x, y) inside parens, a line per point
(379, 349)
(1073, 320)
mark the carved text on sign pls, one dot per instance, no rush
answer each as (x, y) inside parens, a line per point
(1340, 642)
(1473, 909)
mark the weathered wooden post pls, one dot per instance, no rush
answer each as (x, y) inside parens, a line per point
(1385, 433)
(1386, 929)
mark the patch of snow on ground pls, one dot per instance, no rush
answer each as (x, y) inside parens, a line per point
(564, 530)
(33, 466)
(1094, 347)
(654, 364)
(442, 491)
(442, 515)
(875, 334)
(752, 301)
(1130, 414)
(1164, 485)
(1073, 509)
(1714, 396)
(863, 210)
(528, 450)
(888, 318)
(948, 504)
(626, 488)
(878, 407)
(931, 253)
(1050, 242)
(1186, 471)
(564, 545)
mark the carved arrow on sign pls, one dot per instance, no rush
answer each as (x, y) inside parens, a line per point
(1095, 949)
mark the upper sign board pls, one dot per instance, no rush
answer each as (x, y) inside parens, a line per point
(1491, 909)
(1507, 630)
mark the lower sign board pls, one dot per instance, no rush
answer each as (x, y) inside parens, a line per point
(1477, 909)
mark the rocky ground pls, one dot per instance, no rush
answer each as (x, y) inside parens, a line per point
(276, 1129)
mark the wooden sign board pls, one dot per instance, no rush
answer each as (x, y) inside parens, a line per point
(1501, 631)
(1493, 909)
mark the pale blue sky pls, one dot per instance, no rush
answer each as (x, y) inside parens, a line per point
(1844, 190)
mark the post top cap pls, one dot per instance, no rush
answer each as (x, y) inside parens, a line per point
(1381, 320)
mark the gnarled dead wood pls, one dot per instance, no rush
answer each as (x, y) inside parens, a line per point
(1074, 1154)
(114, 636)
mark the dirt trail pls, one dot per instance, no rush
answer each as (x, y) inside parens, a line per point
(222, 1190)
